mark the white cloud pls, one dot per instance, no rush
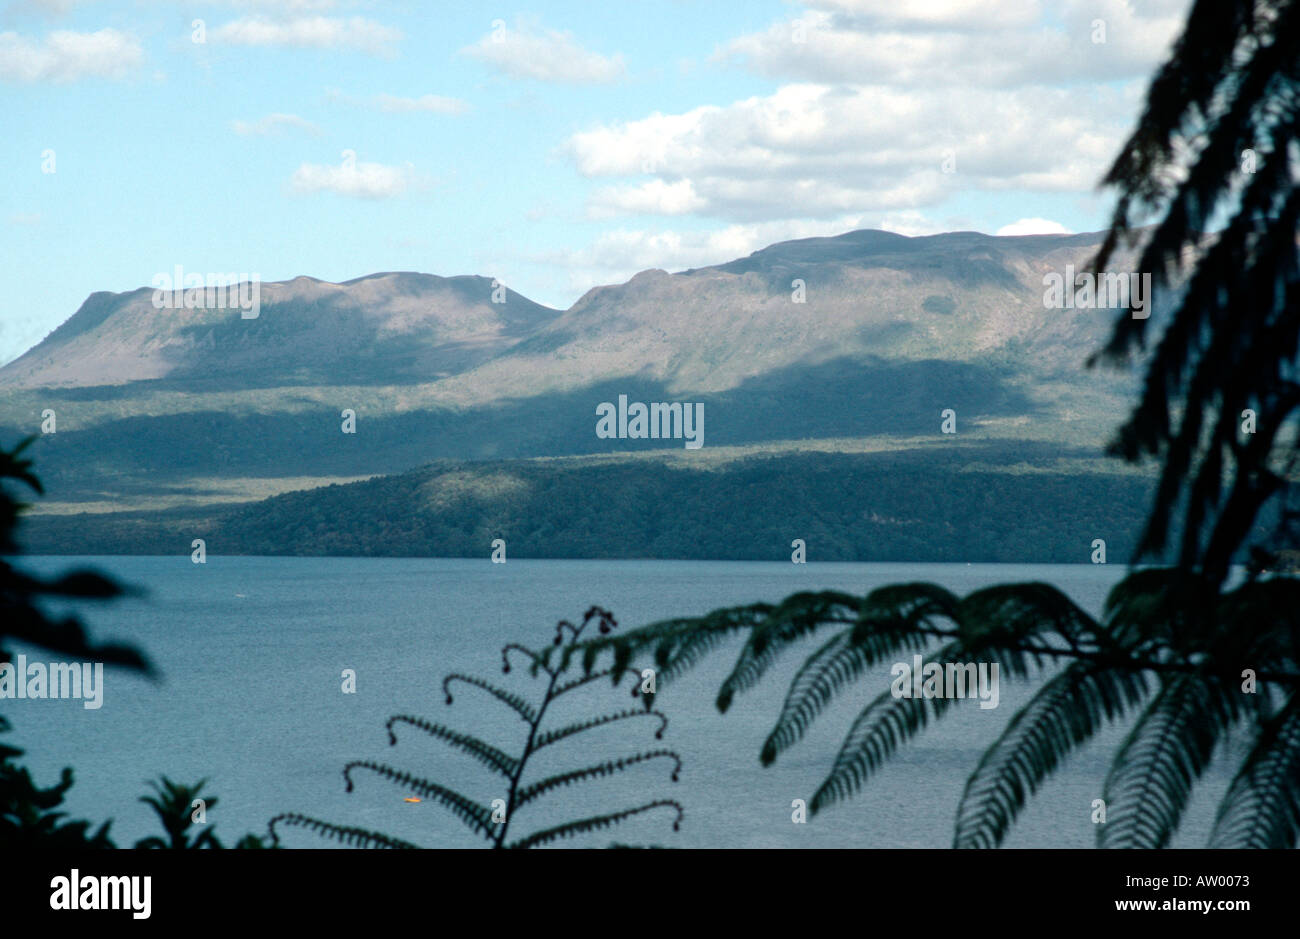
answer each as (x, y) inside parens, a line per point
(914, 224)
(273, 124)
(818, 151)
(362, 180)
(653, 198)
(963, 14)
(923, 45)
(315, 32)
(884, 113)
(434, 104)
(546, 55)
(48, 8)
(616, 255)
(1034, 226)
(64, 56)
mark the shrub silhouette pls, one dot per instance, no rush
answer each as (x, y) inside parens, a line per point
(28, 816)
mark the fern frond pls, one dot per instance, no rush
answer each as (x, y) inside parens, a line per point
(840, 661)
(1006, 613)
(884, 724)
(1153, 773)
(1149, 606)
(911, 604)
(555, 736)
(1261, 623)
(1262, 806)
(1063, 715)
(666, 637)
(595, 823)
(673, 658)
(607, 768)
(823, 673)
(584, 680)
(796, 616)
(536, 660)
(474, 815)
(481, 750)
(513, 701)
(353, 837)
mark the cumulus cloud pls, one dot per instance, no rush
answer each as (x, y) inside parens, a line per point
(817, 151)
(978, 15)
(49, 8)
(890, 108)
(653, 198)
(64, 56)
(1034, 226)
(913, 224)
(548, 55)
(311, 32)
(928, 45)
(616, 255)
(274, 124)
(361, 180)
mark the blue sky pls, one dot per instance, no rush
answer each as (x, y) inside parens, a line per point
(554, 145)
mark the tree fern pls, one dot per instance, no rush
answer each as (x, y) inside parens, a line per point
(1064, 715)
(352, 837)
(1228, 93)
(480, 750)
(596, 822)
(1157, 765)
(1160, 628)
(555, 736)
(796, 616)
(886, 723)
(608, 768)
(494, 825)
(476, 817)
(1262, 807)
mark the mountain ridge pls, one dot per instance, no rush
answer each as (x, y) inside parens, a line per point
(857, 336)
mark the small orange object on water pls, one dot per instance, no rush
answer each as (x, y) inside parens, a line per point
(410, 799)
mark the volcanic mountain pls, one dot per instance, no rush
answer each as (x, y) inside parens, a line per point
(864, 338)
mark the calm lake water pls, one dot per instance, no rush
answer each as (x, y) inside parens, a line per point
(251, 652)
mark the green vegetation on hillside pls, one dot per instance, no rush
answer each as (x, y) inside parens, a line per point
(937, 504)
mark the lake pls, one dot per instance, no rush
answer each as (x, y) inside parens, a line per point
(252, 650)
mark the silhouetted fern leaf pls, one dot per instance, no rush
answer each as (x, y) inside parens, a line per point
(1262, 806)
(474, 815)
(1153, 772)
(878, 731)
(494, 824)
(887, 625)
(555, 736)
(595, 823)
(671, 638)
(352, 837)
(539, 789)
(484, 752)
(1063, 715)
(513, 701)
(797, 616)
